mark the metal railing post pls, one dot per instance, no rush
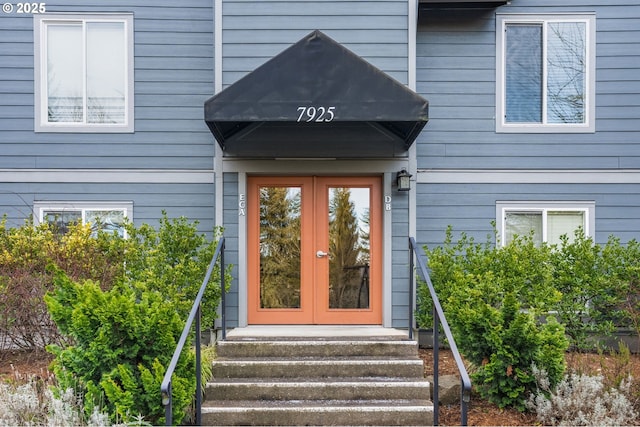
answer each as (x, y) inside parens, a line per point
(411, 291)
(439, 320)
(167, 401)
(436, 367)
(223, 285)
(198, 368)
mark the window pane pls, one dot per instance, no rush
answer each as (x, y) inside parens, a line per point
(522, 224)
(61, 220)
(64, 73)
(105, 220)
(348, 225)
(559, 223)
(523, 73)
(280, 216)
(566, 72)
(106, 69)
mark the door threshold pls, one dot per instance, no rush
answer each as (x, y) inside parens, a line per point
(316, 332)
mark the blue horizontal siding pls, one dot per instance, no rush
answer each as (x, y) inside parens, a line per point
(173, 77)
(194, 201)
(456, 73)
(470, 207)
(255, 31)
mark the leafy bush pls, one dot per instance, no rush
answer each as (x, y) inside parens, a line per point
(172, 260)
(25, 253)
(123, 338)
(122, 342)
(119, 306)
(595, 281)
(493, 298)
(496, 300)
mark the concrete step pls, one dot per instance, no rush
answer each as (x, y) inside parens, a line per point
(318, 368)
(314, 412)
(317, 376)
(317, 389)
(304, 348)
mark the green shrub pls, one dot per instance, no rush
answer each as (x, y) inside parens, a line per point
(580, 274)
(25, 253)
(173, 260)
(493, 299)
(122, 339)
(600, 286)
(122, 342)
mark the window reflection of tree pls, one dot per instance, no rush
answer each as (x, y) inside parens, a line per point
(279, 247)
(349, 253)
(566, 69)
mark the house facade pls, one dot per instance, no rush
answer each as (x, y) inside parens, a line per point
(291, 124)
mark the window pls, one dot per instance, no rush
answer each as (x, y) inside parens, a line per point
(546, 220)
(545, 73)
(106, 216)
(83, 73)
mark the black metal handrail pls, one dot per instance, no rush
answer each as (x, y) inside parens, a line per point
(194, 315)
(438, 318)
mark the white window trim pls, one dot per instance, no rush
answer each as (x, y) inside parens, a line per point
(40, 94)
(588, 207)
(590, 108)
(39, 208)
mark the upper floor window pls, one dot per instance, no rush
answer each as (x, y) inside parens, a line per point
(106, 216)
(544, 221)
(545, 73)
(83, 73)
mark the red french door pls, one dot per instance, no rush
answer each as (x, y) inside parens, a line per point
(314, 250)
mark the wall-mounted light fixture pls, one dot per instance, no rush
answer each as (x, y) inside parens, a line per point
(403, 180)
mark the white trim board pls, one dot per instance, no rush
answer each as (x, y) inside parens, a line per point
(153, 176)
(538, 176)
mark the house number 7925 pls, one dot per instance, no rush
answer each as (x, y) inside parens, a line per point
(316, 114)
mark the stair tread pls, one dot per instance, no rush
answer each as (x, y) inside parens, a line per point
(318, 360)
(373, 381)
(315, 404)
(321, 342)
(320, 382)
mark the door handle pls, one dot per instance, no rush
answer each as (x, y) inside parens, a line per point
(321, 254)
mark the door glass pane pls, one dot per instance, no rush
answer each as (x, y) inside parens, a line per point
(566, 72)
(523, 70)
(349, 248)
(562, 222)
(523, 224)
(280, 247)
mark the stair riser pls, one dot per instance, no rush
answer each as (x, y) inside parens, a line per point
(320, 416)
(304, 369)
(230, 349)
(316, 391)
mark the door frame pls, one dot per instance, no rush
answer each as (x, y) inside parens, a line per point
(314, 236)
(232, 174)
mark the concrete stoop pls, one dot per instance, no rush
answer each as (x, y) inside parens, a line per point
(339, 381)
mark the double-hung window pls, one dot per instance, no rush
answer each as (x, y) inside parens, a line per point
(83, 73)
(545, 73)
(544, 221)
(106, 216)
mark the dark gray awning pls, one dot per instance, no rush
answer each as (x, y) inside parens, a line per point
(427, 4)
(316, 99)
